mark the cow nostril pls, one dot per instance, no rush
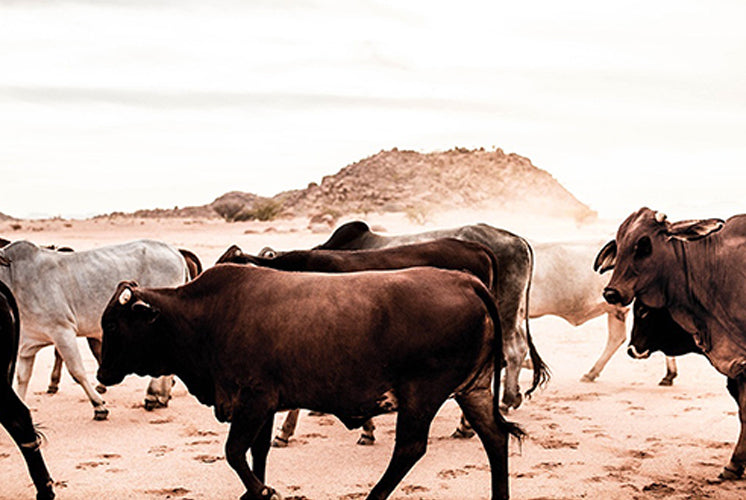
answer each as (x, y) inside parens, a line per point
(612, 296)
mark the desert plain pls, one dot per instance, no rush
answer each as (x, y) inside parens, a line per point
(620, 437)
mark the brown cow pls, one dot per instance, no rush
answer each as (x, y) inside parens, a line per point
(252, 341)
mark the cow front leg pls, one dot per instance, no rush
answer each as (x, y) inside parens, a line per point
(735, 467)
(616, 326)
(671, 372)
(287, 430)
(16, 419)
(24, 367)
(418, 404)
(251, 422)
(73, 361)
(260, 449)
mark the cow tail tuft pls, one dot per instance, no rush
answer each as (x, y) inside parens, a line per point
(497, 351)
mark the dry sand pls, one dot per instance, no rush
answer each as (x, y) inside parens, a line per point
(620, 437)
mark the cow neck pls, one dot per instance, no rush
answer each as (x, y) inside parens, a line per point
(186, 336)
(695, 307)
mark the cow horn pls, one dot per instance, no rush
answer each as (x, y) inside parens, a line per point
(125, 296)
(660, 217)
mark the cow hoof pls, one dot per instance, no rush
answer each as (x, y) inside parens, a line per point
(462, 433)
(731, 474)
(366, 440)
(280, 442)
(266, 493)
(101, 389)
(588, 378)
(52, 389)
(100, 414)
(149, 404)
(667, 382)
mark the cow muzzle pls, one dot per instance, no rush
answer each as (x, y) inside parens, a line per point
(632, 351)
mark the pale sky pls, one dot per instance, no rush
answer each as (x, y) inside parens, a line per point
(121, 105)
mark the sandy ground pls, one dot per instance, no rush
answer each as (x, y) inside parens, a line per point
(620, 437)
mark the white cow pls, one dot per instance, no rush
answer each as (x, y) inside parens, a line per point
(565, 285)
(62, 296)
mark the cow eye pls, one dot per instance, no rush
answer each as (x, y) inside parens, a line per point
(643, 247)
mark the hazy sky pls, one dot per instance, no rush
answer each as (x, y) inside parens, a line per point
(120, 105)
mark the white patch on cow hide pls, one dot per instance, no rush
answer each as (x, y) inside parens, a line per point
(387, 401)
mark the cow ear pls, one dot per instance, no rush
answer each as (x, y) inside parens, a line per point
(690, 230)
(145, 311)
(4, 261)
(606, 258)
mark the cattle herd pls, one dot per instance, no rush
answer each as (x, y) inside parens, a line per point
(366, 324)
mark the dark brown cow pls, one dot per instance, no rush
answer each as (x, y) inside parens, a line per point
(695, 269)
(446, 253)
(251, 341)
(14, 415)
(515, 261)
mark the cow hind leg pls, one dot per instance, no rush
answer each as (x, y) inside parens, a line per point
(367, 437)
(54, 377)
(477, 406)
(671, 372)
(617, 334)
(158, 392)
(287, 430)
(515, 351)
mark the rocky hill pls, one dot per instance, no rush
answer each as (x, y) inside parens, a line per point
(410, 182)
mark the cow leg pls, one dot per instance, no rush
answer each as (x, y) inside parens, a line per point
(735, 468)
(260, 449)
(94, 345)
(158, 392)
(16, 419)
(477, 406)
(24, 368)
(287, 430)
(250, 422)
(54, 377)
(418, 404)
(671, 372)
(71, 357)
(367, 437)
(515, 348)
(464, 429)
(617, 336)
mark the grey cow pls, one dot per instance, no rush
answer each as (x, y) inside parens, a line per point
(61, 296)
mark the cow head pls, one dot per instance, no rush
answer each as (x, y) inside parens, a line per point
(133, 339)
(655, 330)
(643, 255)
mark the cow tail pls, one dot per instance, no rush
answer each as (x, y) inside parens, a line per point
(497, 352)
(541, 370)
(15, 334)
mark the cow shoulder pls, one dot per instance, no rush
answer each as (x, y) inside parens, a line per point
(346, 234)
